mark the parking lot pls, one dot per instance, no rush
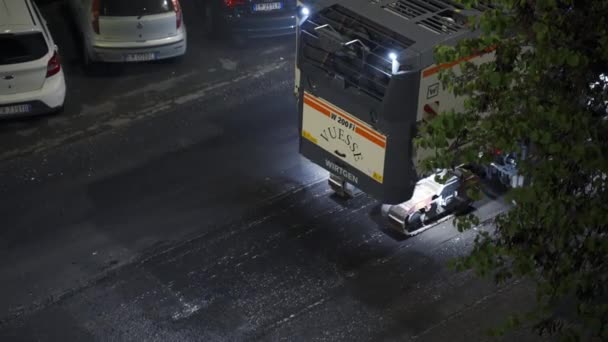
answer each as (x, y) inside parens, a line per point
(112, 95)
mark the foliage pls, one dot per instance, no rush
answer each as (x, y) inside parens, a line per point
(544, 88)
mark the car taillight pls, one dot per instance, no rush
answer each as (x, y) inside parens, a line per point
(95, 15)
(53, 66)
(233, 3)
(178, 13)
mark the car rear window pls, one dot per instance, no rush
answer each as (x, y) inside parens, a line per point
(128, 8)
(21, 48)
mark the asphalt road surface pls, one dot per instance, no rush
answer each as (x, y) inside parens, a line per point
(169, 203)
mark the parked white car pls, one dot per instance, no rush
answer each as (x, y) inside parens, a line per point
(31, 77)
(129, 31)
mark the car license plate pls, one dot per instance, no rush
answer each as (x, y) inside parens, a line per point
(268, 6)
(17, 109)
(140, 57)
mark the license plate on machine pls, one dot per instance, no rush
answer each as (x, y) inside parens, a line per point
(17, 109)
(267, 6)
(140, 57)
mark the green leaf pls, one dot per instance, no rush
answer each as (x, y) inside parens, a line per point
(554, 148)
(494, 79)
(573, 60)
(541, 31)
(555, 234)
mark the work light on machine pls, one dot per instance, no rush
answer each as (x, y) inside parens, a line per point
(393, 58)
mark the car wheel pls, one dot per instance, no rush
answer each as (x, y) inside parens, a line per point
(59, 110)
(86, 58)
(86, 61)
(210, 26)
(92, 66)
(177, 59)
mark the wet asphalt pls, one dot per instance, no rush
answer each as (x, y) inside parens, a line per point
(169, 203)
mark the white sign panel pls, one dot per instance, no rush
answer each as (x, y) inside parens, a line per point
(344, 136)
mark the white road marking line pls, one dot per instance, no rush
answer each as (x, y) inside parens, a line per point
(249, 76)
(228, 64)
(128, 118)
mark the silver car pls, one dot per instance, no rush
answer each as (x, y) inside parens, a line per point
(129, 30)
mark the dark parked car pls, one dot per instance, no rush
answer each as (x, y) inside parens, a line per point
(250, 18)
